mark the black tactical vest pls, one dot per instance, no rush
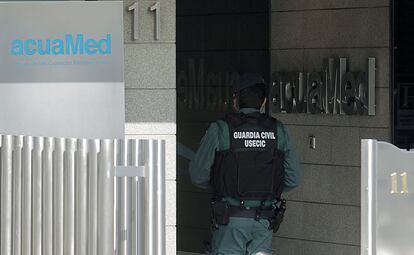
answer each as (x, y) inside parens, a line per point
(253, 167)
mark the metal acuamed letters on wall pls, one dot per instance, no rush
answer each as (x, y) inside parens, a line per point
(84, 197)
(332, 91)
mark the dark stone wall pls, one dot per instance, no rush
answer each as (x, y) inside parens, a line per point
(324, 212)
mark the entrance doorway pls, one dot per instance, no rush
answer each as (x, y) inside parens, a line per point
(217, 41)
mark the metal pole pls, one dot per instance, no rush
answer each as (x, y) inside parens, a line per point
(93, 197)
(118, 198)
(58, 197)
(369, 158)
(17, 195)
(81, 197)
(124, 241)
(27, 195)
(160, 197)
(136, 203)
(69, 198)
(133, 198)
(37, 196)
(106, 198)
(0, 189)
(151, 188)
(6, 194)
(48, 197)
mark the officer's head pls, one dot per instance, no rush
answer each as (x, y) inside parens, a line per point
(251, 93)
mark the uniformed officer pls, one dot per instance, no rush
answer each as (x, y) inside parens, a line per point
(248, 160)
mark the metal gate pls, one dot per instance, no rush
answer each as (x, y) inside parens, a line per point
(77, 196)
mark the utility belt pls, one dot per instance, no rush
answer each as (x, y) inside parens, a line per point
(222, 211)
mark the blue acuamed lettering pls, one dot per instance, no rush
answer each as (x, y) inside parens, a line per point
(43, 47)
(68, 45)
(17, 48)
(29, 47)
(58, 47)
(91, 46)
(73, 47)
(104, 45)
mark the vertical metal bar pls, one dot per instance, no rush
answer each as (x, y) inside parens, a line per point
(47, 218)
(371, 86)
(142, 195)
(17, 195)
(93, 197)
(140, 213)
(124, 209)
(117, 196)
(160, 197)
(136, 203)
(6, 194)
(81, 186)
(120, 200)
(1, 137)
(106, 198)
(368, 196)
(58, 197)
(151, 196)
(69, 198)
(27, 195)
(342, 71)
(133, 200)
(129, 208)
(37, 196)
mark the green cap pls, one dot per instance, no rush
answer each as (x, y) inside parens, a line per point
(249, 80)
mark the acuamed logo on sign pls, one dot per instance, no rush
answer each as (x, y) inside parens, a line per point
(61, 69)
(78, 44)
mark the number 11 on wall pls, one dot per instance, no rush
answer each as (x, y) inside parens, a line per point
(134, 8)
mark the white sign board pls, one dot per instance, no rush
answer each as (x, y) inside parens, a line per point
(61, 69)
